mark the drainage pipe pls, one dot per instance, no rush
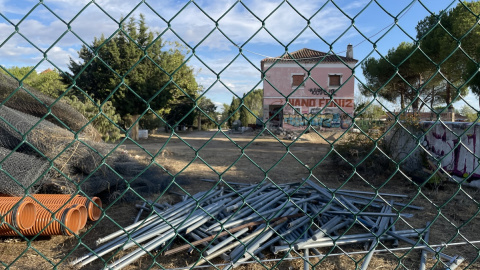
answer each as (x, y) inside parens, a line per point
(20, 215)
(93, 205)
(70, 219)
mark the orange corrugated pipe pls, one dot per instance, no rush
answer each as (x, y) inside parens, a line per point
(79, 207)
(22, 216)
(48, 203)
(94, 212)
(70, 218)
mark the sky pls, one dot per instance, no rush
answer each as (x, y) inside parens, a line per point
(226, 35)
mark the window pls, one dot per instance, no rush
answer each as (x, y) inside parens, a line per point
(297, 80)
(334, 80)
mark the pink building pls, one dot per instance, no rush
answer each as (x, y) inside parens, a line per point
(317, 85)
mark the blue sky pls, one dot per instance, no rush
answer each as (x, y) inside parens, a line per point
(330, 30)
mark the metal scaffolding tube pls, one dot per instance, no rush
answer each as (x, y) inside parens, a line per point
(225, 242)
(423, 258)
(126, 260)
(338, 241)
(263, 228)
(142, 223)
(380, 230)
(233, 245)
(194, 219)
(301, 245)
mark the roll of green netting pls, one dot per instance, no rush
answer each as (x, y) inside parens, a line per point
(21, 173)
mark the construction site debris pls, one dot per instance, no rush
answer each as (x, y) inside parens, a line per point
(29, 216)
(47, 145)
(238, 223)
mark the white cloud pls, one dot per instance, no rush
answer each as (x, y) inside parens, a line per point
(43, 29)
(219, 106)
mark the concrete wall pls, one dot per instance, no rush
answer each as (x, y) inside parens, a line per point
(440, 141)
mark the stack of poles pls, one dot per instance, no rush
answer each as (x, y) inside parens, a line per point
(47, 214)
(239, 224)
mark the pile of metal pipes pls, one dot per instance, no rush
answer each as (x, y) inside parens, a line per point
(239, 224)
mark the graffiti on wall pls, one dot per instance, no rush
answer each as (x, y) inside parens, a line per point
(325, 113)
(327, 120)
(457, 158)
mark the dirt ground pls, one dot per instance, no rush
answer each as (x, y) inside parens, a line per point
(252, 158)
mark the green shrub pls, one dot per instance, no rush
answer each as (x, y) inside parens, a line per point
(108, 128)
(151, 122)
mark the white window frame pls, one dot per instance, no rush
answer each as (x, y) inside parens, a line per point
(302, 86)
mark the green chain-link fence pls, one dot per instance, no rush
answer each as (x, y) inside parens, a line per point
(322, 160)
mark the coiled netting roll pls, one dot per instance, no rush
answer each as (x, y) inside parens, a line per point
(19, 171)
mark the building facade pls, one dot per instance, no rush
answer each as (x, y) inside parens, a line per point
(309, 85)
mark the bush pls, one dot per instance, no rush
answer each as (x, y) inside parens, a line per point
(151, 122)
(108, 128)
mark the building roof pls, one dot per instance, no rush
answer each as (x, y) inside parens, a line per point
(310, 56)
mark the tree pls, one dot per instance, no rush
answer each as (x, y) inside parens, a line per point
(135, 73)
(448, 40)
(233, 113)
(252, 100)
(225, 113)
(244, 116)
(48, 81)
(90, 110)
(395, 77)
(468, 112)
(208, 111)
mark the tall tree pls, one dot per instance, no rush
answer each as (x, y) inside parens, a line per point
(208, 111)
(233, 113)
(225, 113)
(133, 70)
(473, 76)
(395, 77)
(449, 40)
(252, 100)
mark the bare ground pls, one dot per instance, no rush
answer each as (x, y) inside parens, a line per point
(253, 158)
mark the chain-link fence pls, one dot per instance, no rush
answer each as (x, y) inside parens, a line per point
(239, 134)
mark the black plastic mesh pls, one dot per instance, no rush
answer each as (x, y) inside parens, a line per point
(21, 173)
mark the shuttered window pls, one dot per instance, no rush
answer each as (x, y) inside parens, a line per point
(334, 80)
(297, 80)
